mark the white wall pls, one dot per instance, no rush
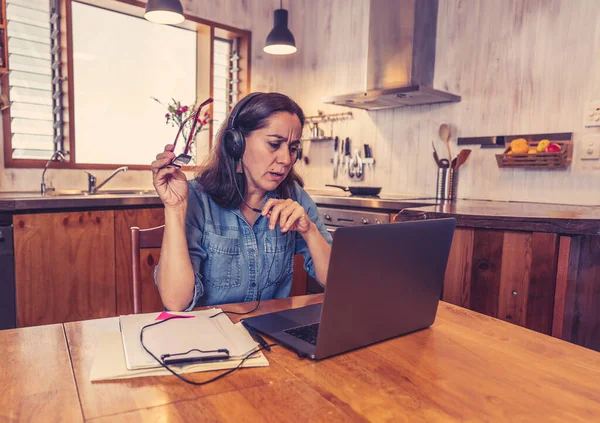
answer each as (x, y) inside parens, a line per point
(521, 66)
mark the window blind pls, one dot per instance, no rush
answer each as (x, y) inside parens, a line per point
(30, 78)
(225, 79)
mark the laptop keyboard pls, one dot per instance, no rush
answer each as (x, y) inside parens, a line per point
(307, 333)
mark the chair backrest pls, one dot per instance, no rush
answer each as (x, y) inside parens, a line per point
(140, 239)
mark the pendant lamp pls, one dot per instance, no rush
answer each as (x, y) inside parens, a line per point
(280, 40)
(169, 12)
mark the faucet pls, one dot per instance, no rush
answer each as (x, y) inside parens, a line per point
(92, 188)
(57, 153)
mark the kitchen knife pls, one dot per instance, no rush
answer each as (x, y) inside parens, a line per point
(368, 156)
(347, 155)
(336, 157)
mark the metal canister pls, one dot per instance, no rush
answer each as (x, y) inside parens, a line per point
(441, 183)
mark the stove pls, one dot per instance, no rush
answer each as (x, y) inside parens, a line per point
(338, 217)
(339, 209)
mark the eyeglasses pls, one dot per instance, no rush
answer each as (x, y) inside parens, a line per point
(184, 158)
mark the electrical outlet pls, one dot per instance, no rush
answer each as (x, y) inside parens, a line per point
(590, 147)
(591, 114)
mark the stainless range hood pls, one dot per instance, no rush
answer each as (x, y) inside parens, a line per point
(400, 57)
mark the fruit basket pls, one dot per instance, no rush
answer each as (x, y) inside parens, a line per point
(537, 160)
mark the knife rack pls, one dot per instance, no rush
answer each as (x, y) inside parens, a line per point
(313, 123)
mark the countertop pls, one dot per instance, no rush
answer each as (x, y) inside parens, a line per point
(31, 202)
(28, 202)
(557, 218)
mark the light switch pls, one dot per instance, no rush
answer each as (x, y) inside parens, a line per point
(591, 114)
(590, 148)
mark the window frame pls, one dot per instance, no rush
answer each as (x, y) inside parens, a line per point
(204, 28)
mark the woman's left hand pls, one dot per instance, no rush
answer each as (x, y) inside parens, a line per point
(290, 215)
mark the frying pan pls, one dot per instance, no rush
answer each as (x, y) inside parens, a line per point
(358, 190)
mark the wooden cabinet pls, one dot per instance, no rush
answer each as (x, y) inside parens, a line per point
(64, 266)
(73, 266)
(124, 220)
(577, 300)
(505, 274)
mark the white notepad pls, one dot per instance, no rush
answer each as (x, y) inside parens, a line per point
(181, 335)
(109, 361)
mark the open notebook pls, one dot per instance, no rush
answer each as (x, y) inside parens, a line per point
(181, 335)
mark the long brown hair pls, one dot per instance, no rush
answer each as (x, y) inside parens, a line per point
(217, 175)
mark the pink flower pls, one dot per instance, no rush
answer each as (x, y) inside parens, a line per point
(167, 116)
(204, 122)
(206, 114)
(178, 112)
(184, 109)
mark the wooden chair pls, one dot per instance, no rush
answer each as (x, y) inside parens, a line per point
(140, 239)
(152, 238)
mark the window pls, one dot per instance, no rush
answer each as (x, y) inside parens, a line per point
(225, 78)
(116, 119)
(113, 62)
(30, 78)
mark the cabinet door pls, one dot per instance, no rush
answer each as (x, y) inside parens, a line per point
(64, 266)
(143, 218)
(504, 274)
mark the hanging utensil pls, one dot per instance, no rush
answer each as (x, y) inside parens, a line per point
(336, 157)
(462, 158)
(435, 156)
(444, 133)
(368, 160)
(306, 152)
(356, 165)
(347, 156)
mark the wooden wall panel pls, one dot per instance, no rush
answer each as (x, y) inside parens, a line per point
(124, 220)
(457, 280)
(515, 277)
(585, 327)
(64, 266)
(485, 272)
(566, 284)
(542, 283)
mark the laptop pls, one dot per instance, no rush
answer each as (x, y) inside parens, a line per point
(383, 281)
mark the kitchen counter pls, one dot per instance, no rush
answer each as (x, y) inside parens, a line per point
(538, 217)
(392, 203)
(557, 218)
(28, 202)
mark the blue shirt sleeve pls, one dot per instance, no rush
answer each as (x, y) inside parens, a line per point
(194, 229)
(309, 205)
(194, 225)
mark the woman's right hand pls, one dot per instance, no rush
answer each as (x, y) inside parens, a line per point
(170, 182)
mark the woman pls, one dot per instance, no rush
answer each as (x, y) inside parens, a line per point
(231, 233)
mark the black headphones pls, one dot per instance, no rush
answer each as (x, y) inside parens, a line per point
(235, 144)
(234, 140)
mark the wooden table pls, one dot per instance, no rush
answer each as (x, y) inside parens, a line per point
(467, 366)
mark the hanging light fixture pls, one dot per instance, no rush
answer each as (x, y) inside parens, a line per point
(280, 40)
(169, 12)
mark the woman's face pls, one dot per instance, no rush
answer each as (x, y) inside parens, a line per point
(271, 152)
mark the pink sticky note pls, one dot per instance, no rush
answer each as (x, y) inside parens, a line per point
(164, 315)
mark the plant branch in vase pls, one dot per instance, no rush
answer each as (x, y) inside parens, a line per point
(177, 114)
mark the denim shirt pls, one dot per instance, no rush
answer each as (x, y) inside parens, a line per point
(233, 261)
